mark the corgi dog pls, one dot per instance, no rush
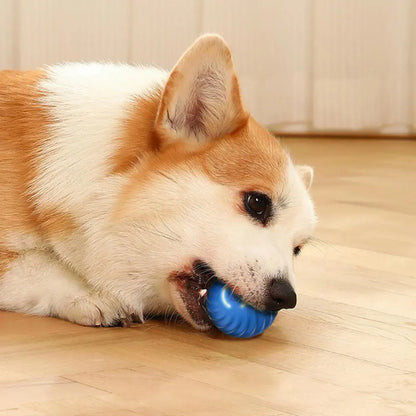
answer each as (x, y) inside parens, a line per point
(126, 190)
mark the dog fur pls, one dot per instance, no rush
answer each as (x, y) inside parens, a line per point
(114, 179)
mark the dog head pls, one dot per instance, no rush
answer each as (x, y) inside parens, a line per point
(219, 198)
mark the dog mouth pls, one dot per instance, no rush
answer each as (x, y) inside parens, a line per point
(191, 286)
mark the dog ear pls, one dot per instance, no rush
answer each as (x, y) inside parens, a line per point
(201, 99)
(306, 173)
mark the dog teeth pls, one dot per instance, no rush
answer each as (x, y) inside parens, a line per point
(202, 293)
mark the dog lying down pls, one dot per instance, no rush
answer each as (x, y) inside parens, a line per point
(125, 190)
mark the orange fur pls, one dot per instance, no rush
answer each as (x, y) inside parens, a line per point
(24, 124)
(138, 136)
(248, 159)
(53, 222)
(168, 92)
(242, 117)
(6, 257)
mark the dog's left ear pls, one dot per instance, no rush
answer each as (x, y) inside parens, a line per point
(201, 99)
(306, 173)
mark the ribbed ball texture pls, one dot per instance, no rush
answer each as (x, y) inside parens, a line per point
(234, 317)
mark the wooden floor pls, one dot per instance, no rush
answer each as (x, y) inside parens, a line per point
(349, 348)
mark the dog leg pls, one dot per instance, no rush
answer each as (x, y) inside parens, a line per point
(36, 282)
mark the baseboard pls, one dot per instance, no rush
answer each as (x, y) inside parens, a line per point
(342, 135)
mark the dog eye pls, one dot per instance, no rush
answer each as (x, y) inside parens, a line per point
(259, 206)
(297, 250)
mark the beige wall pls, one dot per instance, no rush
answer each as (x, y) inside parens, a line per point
(335, 65)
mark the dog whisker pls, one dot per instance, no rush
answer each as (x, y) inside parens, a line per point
(167, 177)
(162, 234)
(158, 232)
(169, 229)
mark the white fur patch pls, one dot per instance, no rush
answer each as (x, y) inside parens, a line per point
(87, 103)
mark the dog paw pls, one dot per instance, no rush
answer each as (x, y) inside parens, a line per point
(91, 311)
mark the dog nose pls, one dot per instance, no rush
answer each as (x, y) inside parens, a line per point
(281, 295)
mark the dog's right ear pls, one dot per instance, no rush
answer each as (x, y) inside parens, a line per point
(201, 99)
(306, 173)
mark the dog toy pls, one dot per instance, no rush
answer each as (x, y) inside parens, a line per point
(234, 317)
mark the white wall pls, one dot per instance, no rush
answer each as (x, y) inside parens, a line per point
(305, 65)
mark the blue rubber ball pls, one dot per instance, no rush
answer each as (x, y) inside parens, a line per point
(234, 317)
